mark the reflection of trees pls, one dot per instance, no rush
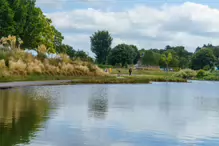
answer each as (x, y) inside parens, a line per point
(165, 102)
(20, 116)
(207, 103)
(98, 104)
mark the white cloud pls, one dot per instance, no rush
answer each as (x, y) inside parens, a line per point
(52, 4)
(187, 24)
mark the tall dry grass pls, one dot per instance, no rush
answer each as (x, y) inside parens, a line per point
(14, 61)
(22, 63)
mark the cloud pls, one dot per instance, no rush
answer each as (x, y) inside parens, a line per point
(51, 4)
(189, 24)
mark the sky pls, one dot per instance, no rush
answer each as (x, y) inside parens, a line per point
(144, 23)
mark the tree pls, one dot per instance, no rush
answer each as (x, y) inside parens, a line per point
(101, 45)
(203, 58)
(6, 19)
(197, 49)
(66, 49)
(83, 56)
(166, 59)
(150, 58)
(136, 53)
(183, 62)
(123, 54)
(58, 38)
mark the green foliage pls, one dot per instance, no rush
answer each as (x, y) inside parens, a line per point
(202, 73)
(104, 66)
(136, 53)
(151, 58)
(101, 45)
(166, 59)
(24, 20)
(185, 74)
(202, 58)
(6, 19)
(122, 54)
(83, 56)
(207, 67)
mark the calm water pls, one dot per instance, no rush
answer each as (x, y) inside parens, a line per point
(158, 114)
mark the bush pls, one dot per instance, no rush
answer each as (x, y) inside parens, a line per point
(202, 73)
(104, 66)
(186, 74)
(206, 67)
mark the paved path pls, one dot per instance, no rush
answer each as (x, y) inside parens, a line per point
(32, 83)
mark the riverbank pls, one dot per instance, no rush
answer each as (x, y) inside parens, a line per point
(32, 83)
(125, 80)
(37, 80)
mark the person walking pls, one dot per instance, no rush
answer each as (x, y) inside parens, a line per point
(130, 71)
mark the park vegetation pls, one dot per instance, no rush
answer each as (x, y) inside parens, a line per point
(198, 65)
(23, 26)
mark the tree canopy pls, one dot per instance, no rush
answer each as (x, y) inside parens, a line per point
(204, 57)
(123, 54)
(101, 45)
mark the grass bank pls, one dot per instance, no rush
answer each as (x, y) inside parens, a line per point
(94, 79)
(142, 72)
(35, 78)
(124, 80)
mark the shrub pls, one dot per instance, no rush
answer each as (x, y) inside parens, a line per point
(202, 73)
(186, 74)
(206, 67)
(64, 58)
(35, 67)
(41, 56)
(42, 49)
(104, 66)
(17, 67)
(2, 64)
(18, 55)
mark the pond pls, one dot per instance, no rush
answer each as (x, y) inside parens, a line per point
(158, 114)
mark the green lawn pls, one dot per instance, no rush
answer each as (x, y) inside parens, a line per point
(125, 71)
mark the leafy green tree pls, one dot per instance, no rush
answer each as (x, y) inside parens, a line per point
(19, 8)
(197, 49)
(83, 56)
(101, 45)
(203, 58)
(58, 38)
(123, 54)
(150, 58)
(136, 54)
(167, 59)
(6, 19)
(183, 62)
(67, 50)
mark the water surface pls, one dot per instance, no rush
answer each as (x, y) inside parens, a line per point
(158, 114)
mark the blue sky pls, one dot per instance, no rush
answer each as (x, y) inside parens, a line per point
(147, 24)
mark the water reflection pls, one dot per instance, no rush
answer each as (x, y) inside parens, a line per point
(98, 103)
(160, 114)
(21, 115)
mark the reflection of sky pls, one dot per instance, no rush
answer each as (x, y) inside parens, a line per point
(158, 114)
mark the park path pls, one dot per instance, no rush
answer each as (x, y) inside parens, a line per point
(32, 83)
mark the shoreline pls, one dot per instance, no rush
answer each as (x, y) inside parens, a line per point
(10, 85)
(17, 84)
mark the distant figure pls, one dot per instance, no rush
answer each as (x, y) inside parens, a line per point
(119, 73)
(110, 70)
(106, 70)
(130, 71)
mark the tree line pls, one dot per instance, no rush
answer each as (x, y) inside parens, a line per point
(205, 57)
(21, 18)
(25, 21)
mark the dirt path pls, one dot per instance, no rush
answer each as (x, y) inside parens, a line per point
(32, 83)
